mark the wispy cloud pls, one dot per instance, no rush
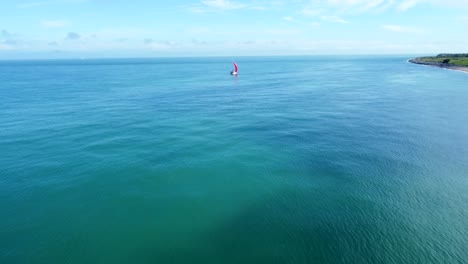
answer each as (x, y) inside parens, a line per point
(315, 24)
(246, 43)
(55, 23)
(72, 36)
(377, 6)
(334, 19)
(288, 18)
(283, 31)
(162, 45)
(5, 34)
(258, 7)
(121, 40)
(371, 4)
(159, 47)
(384, 6)
(311, 12)
(359, 6)
(199, 42)
(198, 30)
(7, 40)
(10, 42)
(223, 4)
(402, 29)
(407, 4)
(6, 47)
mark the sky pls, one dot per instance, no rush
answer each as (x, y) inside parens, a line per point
(146, 28)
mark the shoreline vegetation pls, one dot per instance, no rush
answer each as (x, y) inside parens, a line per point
(457, 61)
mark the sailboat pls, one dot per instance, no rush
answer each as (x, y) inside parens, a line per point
(236, 69)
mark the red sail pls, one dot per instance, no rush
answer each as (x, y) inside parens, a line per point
(236, 68)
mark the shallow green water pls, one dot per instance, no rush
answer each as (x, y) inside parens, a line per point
(297, 160)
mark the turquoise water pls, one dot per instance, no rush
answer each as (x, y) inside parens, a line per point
(297, 160)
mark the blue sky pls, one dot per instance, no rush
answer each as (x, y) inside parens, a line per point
(118, 28)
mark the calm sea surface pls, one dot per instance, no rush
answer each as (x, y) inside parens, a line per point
(297, 160)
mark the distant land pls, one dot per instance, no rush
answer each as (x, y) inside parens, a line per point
(458, 61)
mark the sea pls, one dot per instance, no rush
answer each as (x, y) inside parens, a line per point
(304, 159)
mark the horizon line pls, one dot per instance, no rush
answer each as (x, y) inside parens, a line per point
(210, 56)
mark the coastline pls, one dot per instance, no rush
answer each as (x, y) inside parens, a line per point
(440, 65)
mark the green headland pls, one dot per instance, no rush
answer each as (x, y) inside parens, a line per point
(458, 61)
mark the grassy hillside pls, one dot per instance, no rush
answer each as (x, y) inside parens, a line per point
(451, 59)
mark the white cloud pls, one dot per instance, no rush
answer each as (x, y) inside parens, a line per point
(283, 31)
(261, 8)
(311, 12)
(373, 4)
(163, 45)
(5, 47)
(198, 30)
(358, 6)
(223, 4)
(199, 42)
(296, 20)
(9, 41)
(402, 29)
(407, 4)
(55, 23)
(334, 19)
(386, 5)
(5, 34)
(72, 36)
(247, 43)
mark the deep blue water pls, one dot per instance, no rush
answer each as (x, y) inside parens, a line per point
(354, 159)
